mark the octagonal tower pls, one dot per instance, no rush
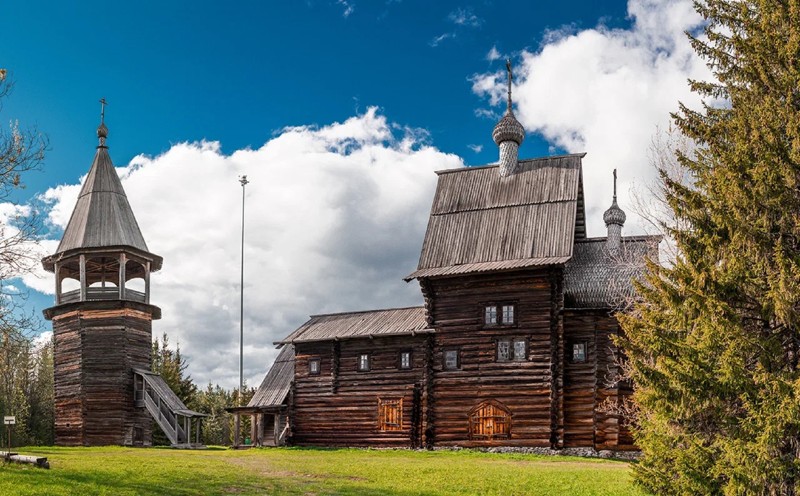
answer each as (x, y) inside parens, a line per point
(102, 317)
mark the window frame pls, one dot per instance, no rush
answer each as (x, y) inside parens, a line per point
(318, 362)
(410, 354)
(501, 312)
(368, 367)
(512, 356)
(497, 309)
(572, 345)
(457, 351)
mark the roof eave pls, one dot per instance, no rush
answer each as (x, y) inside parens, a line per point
(156, 261)
(360, 336)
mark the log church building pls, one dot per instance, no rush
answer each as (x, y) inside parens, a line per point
(513, 345)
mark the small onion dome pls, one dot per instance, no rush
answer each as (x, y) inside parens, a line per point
(508, 129)
(614, 214)
(102, 131)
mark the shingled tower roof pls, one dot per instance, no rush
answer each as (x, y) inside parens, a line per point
(102, 217)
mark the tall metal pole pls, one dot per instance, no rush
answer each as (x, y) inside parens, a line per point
(243, 180)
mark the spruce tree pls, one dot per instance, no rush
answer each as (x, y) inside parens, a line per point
(714, 345)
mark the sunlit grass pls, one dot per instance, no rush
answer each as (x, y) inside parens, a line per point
(136, 471)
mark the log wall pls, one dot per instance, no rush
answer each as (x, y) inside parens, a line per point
(456, 306)
(96, 347)
(591, 388)
(554, 401)
(339, 407)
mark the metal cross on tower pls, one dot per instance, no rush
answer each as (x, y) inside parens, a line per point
(103, 104)
(510, 77)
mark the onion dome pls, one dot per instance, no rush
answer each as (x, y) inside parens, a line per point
(102, 133)
(614, 214)
(508, 129)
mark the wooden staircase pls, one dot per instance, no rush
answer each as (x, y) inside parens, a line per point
(169, 412)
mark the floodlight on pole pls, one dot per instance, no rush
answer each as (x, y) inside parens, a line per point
(243, 181)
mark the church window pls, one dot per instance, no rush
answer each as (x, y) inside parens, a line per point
(314, 366)
(363, 362)
(512, 350)
(490, 420)
(579, 352)
(503, 350)
(499, 314)
(404, 361)
(508, 314)
(520, 350)
(490, 317)
(390, 414)
(451, 360)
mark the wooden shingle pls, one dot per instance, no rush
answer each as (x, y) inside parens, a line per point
(388, 322)
(278, 381)
(598, 278)
(102, 216)
(480, 221)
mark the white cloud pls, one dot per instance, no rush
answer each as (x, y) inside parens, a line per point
(465, 17)
(439, 39)
(493, 54)
(42, 339)
(21, 251)
(348, 7)
(335, 217)
(605, 91)
(475, 148)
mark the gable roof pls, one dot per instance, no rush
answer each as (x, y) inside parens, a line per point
(480, 221)
(102, 216)
(372, 323)
(597, 278)
(276, 384)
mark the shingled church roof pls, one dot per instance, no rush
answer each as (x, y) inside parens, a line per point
(598, 278)
(481, 221)
(102, 217)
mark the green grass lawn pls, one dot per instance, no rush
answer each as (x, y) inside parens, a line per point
(137, 471)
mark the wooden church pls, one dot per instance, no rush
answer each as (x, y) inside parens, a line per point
(513, 346)
(105, 392)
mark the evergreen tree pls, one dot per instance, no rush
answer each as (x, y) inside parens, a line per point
(171, 366)
(218, 426)
(714, 346)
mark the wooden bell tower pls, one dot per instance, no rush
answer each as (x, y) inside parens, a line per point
(102, 315)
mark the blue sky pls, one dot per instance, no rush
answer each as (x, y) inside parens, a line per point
(237, 71)
(339, 112)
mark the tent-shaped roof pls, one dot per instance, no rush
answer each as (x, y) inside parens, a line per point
(481, 221)
(102, 217)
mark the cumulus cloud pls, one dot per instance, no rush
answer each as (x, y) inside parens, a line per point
(335, 217)
(606, 91)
